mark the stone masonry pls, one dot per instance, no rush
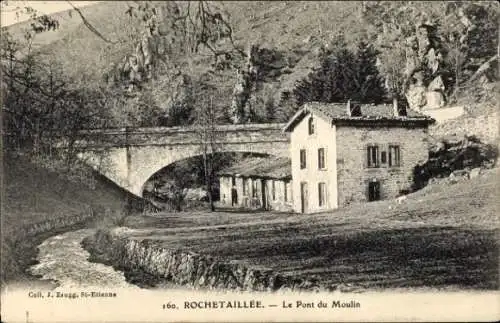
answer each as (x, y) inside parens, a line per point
(352, 171)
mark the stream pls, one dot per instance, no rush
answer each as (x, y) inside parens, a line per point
(62, 259)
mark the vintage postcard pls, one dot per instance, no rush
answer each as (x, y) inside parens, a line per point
(250, 161)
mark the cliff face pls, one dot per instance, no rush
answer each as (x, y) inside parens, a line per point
(187, 268)
(284, 39)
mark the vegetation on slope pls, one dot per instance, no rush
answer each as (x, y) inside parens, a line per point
(31, 194)
(289, 38)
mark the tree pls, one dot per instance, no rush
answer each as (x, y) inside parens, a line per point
(206, 121)
(41, 106)
(369, 80)
(343, 75)
(470, 40)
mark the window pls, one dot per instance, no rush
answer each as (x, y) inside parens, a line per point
(302, 159)
(372, 156)
(254, 188)
(286, 192)
(321, 158)
(394, 156)
(273, 190)
(245, 184)
(311, 125)
(233, 181)
(322, 194)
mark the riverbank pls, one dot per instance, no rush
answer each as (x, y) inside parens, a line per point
(61, 258)
(441, 238)
(37, 204)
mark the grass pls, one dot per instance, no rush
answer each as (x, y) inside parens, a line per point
(445, 237)
(32, 194)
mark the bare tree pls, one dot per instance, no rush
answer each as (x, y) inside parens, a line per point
(40, 105)
(206, 122)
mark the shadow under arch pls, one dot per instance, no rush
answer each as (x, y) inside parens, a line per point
(190, 170)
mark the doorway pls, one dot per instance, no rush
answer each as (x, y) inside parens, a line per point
(303, 197)
(265, 203)
(234, 193)
(374, 191)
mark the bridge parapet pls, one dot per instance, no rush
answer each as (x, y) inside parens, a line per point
(132, 155)
(167, 136)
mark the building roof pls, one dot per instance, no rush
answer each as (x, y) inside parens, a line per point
(263, 167)
(371, 115)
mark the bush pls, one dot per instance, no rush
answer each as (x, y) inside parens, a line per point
(108, 218)
(449, 156)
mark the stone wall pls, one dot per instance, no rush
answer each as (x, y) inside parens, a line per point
(485, 127)
(444, 114)
(279, 203)
(130, 157)
(57, 223)
(122, 137)
(188, 269)
(256, 201)
(353, 172)
(225, 186)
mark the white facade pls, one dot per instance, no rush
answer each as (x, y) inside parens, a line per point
(309, 178)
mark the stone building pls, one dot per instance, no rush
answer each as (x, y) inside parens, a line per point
(257, 183)
(351, 152)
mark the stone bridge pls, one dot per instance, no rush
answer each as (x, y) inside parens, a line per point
(130, 156)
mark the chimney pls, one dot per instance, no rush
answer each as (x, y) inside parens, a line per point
(399, 110)
(395, 106)
(353, 108)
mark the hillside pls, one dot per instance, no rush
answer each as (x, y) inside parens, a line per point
(254, 23)
(32, 194)
(291, 36)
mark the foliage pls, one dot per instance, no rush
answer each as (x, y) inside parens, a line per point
(343, 75)
(41, 105)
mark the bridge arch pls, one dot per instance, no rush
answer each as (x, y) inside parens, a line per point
(147, 162)
(132, 156)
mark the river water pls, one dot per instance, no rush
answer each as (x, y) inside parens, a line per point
(62, 258)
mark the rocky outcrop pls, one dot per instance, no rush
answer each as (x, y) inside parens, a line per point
(484, 127)
(187, 268)
(263, 66)
(423, 57)
(457, 159)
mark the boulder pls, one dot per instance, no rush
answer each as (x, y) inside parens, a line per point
(434, 100)
(433, 60)
(475, 172)
(196, 194)
(436, 84)
(460, 173)
(416, 96)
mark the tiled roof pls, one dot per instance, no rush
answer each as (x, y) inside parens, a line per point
(264, 167)
(369, 112)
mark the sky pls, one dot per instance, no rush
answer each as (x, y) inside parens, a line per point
(10, 8)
